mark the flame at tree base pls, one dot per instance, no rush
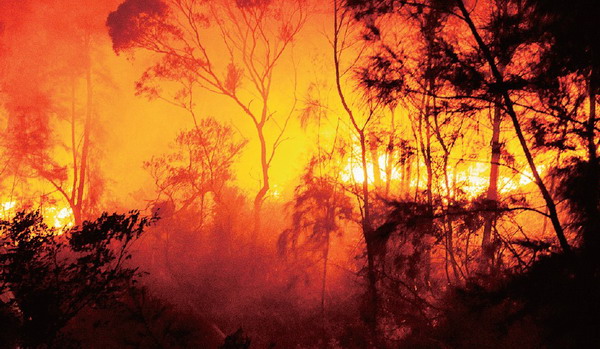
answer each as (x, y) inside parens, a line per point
(54, 215)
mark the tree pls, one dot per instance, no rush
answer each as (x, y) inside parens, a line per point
(320, 206)
(564, 77)
(526, 62)
(200, 164)
(48, 276)
(83, 190)
(478, 68)
(503, 91)
(193, 184)
(38, 95)
(359, 120)
(256, 34)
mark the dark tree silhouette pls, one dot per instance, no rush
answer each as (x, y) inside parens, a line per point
(48, 276)
(566, 75)
(477, 65)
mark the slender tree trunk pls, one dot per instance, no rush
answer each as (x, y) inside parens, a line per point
(427, 109)
(433, 112)
(591, 238)
(371, 313)
(487, 246)
(85, 148)
(425, 145)
(591, 124)
(389, 164)
(367, 228)
(406, 176)
(260, 196)
(73, 142)
(428, 162)
(449, 226)
(375, 160)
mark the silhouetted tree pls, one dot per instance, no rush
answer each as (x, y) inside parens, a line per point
(48, 276)
(256, 35)
(477, 72)
(360, 119)
(566, 75)
(201, 163)
(532, 62)
(194, 190)
(320, 207)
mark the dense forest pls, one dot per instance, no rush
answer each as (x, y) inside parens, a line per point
(299, 174)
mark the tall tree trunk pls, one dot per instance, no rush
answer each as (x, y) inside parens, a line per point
(428, 162)
(449, 226)
(367, 230)
(85, 148)
(375, 160)
(591, 124)
(260, 196)
(487, 246)
(425, 148)
(371, 311)
(591, 238)
(406, 176)
(73, 144)
(390, 152)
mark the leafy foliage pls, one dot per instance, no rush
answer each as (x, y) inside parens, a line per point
(132, 20)
(200, 163)
(319, 206)
(48, 276)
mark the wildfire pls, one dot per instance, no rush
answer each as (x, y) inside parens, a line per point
(58, 217)
(7, 206)
(473, 180)
(353, 172)
(54, 216)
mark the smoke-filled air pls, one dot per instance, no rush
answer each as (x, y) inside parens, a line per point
(299, 174)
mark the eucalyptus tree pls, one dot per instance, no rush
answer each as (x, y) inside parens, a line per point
(254, 35)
